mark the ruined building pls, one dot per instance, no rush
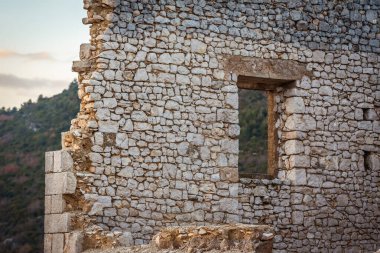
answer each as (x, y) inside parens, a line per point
(155, 143)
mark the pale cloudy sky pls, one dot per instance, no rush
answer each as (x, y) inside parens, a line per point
(39, 39)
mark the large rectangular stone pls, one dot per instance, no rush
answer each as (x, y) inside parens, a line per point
(73, 242)
(47, 204)
(57, 223)
(62, 161)
(60, 183)
(57, 204)
(47, 243)
(58, 243)
(49, 162)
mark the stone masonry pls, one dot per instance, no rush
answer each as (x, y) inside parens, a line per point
(155, 143)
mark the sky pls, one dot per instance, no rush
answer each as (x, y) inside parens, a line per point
(39, 39)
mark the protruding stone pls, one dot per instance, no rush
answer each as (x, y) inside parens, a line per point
(81, 66)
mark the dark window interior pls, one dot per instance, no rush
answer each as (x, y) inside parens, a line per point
(253, 139)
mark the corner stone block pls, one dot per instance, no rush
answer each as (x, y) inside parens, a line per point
(57, 204)
(47, 243)
(48, 204)
(49, 162)
(73, 242)
(57, 223)
(60, 183)
(57, 243)
(62, 161)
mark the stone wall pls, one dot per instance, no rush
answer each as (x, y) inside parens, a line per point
(155, 143)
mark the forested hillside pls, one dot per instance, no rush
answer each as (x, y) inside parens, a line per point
(253, 140)
(25, 135)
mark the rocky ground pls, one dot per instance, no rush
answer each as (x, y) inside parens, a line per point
(213, 239)
(152, 249)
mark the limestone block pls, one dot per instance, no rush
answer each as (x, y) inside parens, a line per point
(300, 123)
(48, 243)
(315, 180)
(299, 161)
(125, 239)
(60, 183)
(49, 162)
(230, 146)
(228, 115)
(57, 204)
(376, 126)
(319, 56)
(57, 243)
(108, 126)
(342, 200)
(85, 52)
(122, 140)
(81, 66)
(100, 202)
(126, 172)
(229, 205)
(141, 75)
(62, 161)
(57, 223)
(371, 114)
(293, 147)
(232, 99)
(297, 217)
(294, 105)
(48, 204)
(73, 242)
(374, 162)
(297, 176)
(198, 46)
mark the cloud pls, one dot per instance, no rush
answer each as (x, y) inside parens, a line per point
(30, 56)
(11, 81)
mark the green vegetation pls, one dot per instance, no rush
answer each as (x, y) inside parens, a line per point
(25, 135)
(253, 139)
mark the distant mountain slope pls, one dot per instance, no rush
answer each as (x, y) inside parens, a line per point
(25, 135)
(253, 139)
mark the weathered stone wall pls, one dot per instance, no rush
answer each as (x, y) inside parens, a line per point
(156, 140)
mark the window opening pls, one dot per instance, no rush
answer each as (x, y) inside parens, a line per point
(257, 117)
(253, 139)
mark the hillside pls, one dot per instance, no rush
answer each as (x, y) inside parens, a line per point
(25, 135)
(253, 142)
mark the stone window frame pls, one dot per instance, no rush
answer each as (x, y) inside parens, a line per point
(266, 74)
(269, 86)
